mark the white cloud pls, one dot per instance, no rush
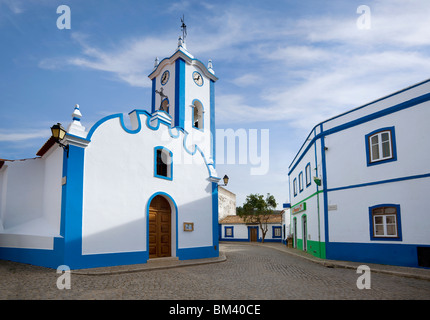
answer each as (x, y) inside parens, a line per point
(317, 66)
(20, 136)
(130, 62)
(14, 5)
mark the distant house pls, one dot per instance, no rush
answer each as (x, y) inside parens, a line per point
(234, 228)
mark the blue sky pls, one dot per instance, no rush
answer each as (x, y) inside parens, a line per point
(282, 66)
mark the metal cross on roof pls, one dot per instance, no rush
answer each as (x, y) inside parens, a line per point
(183, 28)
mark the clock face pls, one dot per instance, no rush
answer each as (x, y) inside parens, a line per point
(198, 79)
(165, 77)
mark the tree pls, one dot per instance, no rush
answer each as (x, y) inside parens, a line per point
(257, 210)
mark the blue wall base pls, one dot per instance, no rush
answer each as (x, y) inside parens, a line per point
(53, 258)
(381, 253)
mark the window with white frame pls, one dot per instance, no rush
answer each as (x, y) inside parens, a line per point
(276, 232)
(385, 222)
(381, 146)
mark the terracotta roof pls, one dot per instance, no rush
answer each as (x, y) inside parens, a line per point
(234, 219)
(48, 144)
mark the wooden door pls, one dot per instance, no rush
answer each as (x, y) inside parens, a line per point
(159, 228)
(253, 234)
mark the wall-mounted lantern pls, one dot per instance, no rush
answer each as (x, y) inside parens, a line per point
(58, 133)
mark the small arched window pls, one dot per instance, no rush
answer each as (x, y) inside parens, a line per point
(197, 115)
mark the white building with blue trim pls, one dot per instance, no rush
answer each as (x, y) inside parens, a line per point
(236, 228)
(121, 194)
(360, 181)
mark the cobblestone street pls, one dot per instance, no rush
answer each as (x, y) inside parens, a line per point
(250, 272)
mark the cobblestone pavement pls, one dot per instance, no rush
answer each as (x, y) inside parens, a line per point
(250, 272)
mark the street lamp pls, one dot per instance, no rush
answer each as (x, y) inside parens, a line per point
(225, 179)
(58, 133)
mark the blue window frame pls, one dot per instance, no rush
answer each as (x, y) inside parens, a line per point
(301, 181)
(308, 174)
(295, 186)
(381, 146)
(385, 222)
(163, 163)
(228, 232)
(276, 232)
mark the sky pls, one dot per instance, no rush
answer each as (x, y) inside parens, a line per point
(283, 67)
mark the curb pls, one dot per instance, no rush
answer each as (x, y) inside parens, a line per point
(159, 265)
(409, 272)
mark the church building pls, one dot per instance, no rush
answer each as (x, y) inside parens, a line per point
(121, 193)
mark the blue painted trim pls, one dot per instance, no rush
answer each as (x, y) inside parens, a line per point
(393, 146)
(225, 231)
(308, 174)
(120, 116)
(168, 78)
(169, 197)
(398, 219)
(203, 80)
(383, 253)
(197, 253)
(301, 187)
(215, 215)
(180, 93)
(153, 96)
(364, 119)
(212, 120)
(378, 100)
(202, 113)
(418, 176)
(324, 185)
(168, 165)
(273, 233)
(184, 56)
(295, 189)
(72, 207)
(249, 232)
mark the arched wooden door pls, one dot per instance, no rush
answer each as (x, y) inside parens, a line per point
(160, 217)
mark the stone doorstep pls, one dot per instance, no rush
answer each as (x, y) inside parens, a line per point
(152, 264)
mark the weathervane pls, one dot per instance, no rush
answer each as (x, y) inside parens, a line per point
(183, 28)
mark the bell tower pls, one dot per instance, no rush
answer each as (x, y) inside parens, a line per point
(184, 88)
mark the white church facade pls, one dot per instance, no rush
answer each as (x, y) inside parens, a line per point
(360, 181)
(122, 194)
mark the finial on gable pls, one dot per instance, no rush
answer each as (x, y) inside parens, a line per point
(210, 67)
(75, 127)
(77, 115)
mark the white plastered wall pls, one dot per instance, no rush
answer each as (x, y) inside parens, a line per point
(119, 181)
